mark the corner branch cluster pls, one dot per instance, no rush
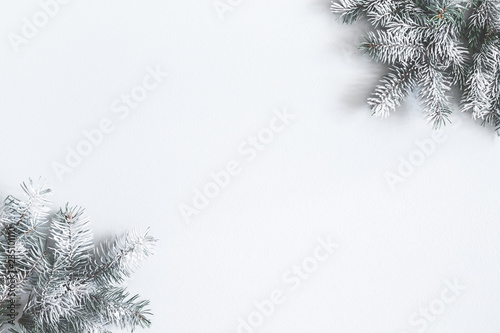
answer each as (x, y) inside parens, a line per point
(431, 46)
(53, 278)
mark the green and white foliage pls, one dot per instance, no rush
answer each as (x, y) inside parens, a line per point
(431, 46)
(53, 278)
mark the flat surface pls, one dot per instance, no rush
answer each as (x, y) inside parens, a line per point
(403, 228)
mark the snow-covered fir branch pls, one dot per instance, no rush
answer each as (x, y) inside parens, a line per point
(444, 43)
(53, 278)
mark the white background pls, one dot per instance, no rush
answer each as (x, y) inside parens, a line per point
(322, 176)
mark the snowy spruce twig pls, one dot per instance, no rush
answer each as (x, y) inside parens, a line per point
(53, 278)
(431, 46)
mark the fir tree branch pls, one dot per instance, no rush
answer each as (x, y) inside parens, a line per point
(433, 88)
(350, 10)
(457, 41)
(63, 279)
(385, 47)
(118, 260)
(394, 86)
(117, 310)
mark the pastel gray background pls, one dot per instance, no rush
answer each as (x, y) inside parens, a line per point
(321, 176)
